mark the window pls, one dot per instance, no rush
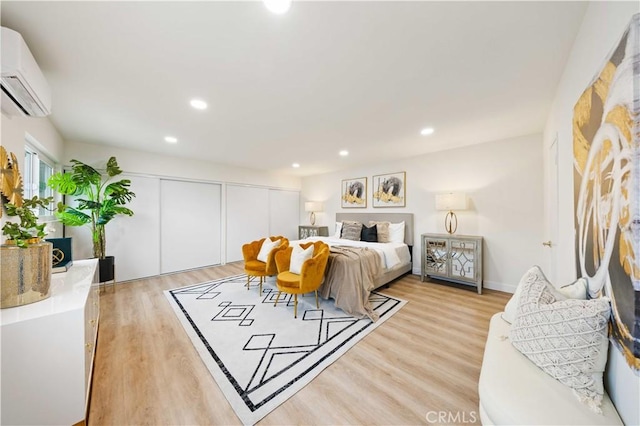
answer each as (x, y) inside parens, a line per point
(37, 170)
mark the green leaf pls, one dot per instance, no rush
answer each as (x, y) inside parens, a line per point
(119, 191)
(107, 212)
(63, 183)
(84, 175)
(73, 217)
(88, 205)
(112, 167)
(122, 210)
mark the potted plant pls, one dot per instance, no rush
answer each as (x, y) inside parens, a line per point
(98, 199)
(26, 259)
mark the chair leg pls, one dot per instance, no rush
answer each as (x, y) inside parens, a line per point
(295, 306)
(277, 297)
(248, 279)
(317, 305)
(260, 288)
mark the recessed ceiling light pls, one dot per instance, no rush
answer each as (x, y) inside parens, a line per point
(277, 6)
(426, 131)
(295, 165)
(344, 153)
(171, 139)
(198, 104)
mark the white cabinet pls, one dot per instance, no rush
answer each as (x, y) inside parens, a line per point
(48, 349)
(451, 257)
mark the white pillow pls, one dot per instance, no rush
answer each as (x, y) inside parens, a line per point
(396, 232)
(298, 257)
(566, 338)
(265, 249)
(338, 230)
(575, 290)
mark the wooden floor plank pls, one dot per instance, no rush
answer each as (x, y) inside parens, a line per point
(427, 357)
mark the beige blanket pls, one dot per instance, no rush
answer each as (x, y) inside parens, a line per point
(349, 280)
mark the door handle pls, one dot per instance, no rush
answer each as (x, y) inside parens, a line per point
(547, 243)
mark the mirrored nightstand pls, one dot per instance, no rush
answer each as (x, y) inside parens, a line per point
(305, 231)
(456, 258)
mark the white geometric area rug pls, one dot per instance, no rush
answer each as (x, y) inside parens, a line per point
(259, 354)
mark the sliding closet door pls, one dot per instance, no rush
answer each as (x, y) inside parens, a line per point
(247, 217)
(190, 231)
(135, 240)
(284, 213)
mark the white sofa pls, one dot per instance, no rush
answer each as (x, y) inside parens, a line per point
(514, 391)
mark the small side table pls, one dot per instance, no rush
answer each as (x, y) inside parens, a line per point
(453, 257)
(305, 231)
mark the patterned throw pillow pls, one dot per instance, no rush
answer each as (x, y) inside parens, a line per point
(351, 230)
(383, 230)
(566, 338)
(575, 290)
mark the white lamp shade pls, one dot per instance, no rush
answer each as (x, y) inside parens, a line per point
(313, 206)
(451, 201)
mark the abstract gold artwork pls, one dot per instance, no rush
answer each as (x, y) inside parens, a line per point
(606, 154)
(389, 190)
(354, 193)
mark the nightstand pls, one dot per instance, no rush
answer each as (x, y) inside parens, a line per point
(452, 257)
(305, 231)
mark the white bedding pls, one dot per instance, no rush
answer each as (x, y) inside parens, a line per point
(390, 254)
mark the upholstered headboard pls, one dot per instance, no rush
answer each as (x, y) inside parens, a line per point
(365, 217)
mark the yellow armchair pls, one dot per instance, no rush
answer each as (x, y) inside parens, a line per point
(311, 273)
(256, 268)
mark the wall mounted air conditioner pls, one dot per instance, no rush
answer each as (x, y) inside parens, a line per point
(24, 88)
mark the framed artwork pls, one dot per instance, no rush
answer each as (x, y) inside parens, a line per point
(354, 193)
(606, 172)
(389, 190)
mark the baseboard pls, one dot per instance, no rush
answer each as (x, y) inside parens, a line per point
(507, 288)
(491, 285)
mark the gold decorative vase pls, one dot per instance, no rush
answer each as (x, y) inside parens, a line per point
(25, 274)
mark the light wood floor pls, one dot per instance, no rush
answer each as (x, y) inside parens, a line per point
(426, 358)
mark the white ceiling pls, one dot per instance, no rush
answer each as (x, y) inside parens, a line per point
(362, 76)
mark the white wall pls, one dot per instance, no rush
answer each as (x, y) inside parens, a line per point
(503, 180)
(173, 166)
(14, 130)
(603, 24)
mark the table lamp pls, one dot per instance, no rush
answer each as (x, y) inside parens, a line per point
(313, 207)
(449, 202)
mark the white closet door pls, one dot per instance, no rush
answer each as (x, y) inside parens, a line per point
(284, 213)
(190, 234)
(247, 217)
(133, 240)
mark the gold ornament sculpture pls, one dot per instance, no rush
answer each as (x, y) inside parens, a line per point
(10, 178)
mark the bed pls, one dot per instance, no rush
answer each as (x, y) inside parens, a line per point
(356, 268)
